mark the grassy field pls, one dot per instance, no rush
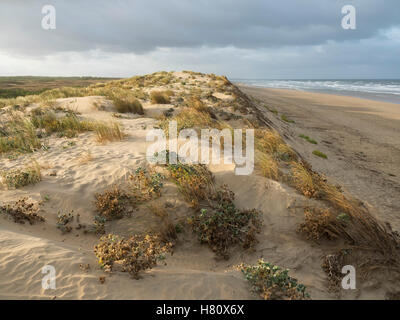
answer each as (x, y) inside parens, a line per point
(11, 87)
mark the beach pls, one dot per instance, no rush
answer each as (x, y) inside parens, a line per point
(360, 137)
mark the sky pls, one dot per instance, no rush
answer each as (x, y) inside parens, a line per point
(249, 39)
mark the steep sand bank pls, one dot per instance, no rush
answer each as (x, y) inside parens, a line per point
(360, 137)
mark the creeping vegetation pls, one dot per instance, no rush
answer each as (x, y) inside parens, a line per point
(22, 211)
(272, 282)
(320, 154)
(286, 119)
(118, 201)
(145, 185)
(307, 138)
(112, 203)
(19, 178)
(132, 255)
(223, 225)
(63, 219)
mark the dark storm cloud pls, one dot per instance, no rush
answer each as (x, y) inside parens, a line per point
(142, 26)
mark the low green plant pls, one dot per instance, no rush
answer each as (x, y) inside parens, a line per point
(307, 138)
(286, 119)
(221, 225)
(320, 154)
(145, 185)
(271, 282)
(63, 219)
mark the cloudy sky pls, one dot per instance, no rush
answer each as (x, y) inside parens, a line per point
(292, 39)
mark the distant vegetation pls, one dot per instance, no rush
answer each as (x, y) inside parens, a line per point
(12, 87)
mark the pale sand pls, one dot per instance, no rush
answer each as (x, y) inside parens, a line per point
(360, 137)
(192, 272)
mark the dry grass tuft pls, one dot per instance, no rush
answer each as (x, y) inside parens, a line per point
(18, 135)
(68, 125)
(270, 142)
(303, 180)
(267, 165)
(108, 132)
(320, 224)
(125, 101)
(160, 97)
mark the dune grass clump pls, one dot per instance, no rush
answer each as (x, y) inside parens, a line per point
(271, 282)
(319, 223)
(22, 211)
(270, 142)
(159, 97)
(166, 229)
(221, 225)
(267, 165)
(307, 138)
(133, 255)
(195, 182)
(18, 135)
(190, 118)
(68, 125)
(320, 154)
(19, 178)
(108, 132)
(303, 180)
(347, 220)
(125, 101)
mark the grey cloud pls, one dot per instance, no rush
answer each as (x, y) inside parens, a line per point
(143, 26)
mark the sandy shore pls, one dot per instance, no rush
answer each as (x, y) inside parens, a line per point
(360, 137)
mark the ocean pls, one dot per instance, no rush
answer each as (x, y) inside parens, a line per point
(380, 90)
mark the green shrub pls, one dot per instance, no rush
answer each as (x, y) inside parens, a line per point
(222, 225)
(273, 283)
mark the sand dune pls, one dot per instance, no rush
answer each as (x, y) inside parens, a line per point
(70, 183)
